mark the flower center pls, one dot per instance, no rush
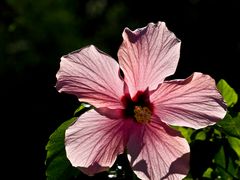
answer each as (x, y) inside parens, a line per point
(138, 108)
(142, 114)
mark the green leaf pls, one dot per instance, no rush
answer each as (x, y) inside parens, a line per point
(225, 164)
(186, 132)
(230, 125)
(208, 173)
(235, 144)
(220, 158)
(201, 135)
(222, 162)
(56, 139)
(81, 109)
(58, 166)
(228, 93)
(233, 167)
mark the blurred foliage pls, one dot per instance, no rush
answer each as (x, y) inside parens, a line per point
(35, 32)
(215, 150)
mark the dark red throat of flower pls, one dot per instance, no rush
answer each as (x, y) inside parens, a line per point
(139, 107)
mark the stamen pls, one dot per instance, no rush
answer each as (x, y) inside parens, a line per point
(142, 114)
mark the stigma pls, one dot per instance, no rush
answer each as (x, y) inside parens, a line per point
(142, 114)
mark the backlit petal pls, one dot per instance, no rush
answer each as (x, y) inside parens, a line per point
(94, 141)
(92, 76)
(147, 56)
(156, 151)
(194, 102)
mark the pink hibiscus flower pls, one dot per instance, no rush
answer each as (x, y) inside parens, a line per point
(133, 111)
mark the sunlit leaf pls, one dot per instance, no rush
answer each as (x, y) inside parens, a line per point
(208, 173)
(81, 109)
(235, 144)
(231, 156)
(201, 136)
(230, 125)
(56, 139)
(58, 166)
(217, 133)
(186, 132)
(228, 93)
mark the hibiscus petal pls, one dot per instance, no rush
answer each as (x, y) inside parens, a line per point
(156, 151)
(147, 56)
(92, 76)
(194, 102)
(94, 141)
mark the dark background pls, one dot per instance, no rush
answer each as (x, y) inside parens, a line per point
(34, 35)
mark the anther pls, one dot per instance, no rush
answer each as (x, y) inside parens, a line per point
(142, 114)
